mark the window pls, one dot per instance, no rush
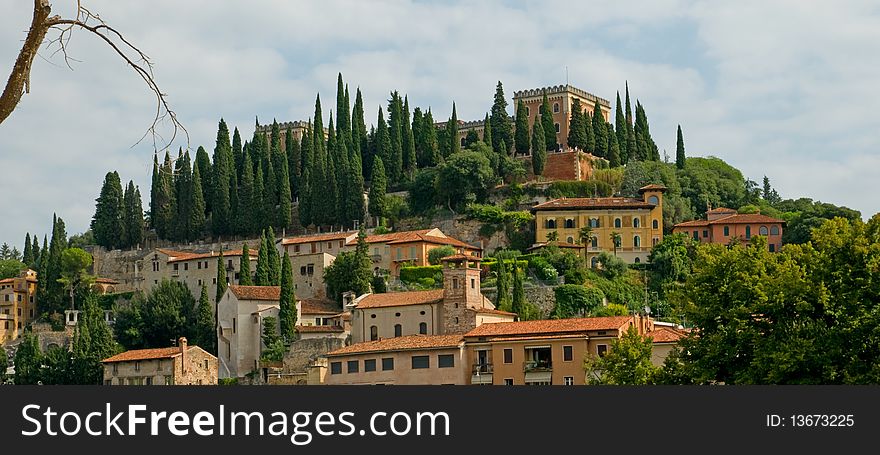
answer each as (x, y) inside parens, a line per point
(369, 365)
(421, 362)
(748, 232)
(473, 283)
(185, 266)
(617, 223)
(697, 235)
(556, 108)
(508, 356)
(594, 222)
(653, 200)
(655, 224)
(637, 260)
(398, 330)
(569, 223)
(637, 242)
(528, 111)
(329, 245)
(302, 270)
(199, 264)
(423, 328)
(137, 366)
(335, 367)
(352, 366)
(388, 364)
(594, 242)
(296, 248)
(772, 248)
(149, 381)
(567, 354)
(705, 233)
(115, 368)
(568, 380)
(763, 230)
(446, 361)
(557, 128)
(774, 230)
(602, 349)
(176, 266)
(551, 223)
(234, 325)
(508, 381)
(340, 244)
(374, 333)
(636, 222)
(726, 231)
(570, 239)
(455, 283)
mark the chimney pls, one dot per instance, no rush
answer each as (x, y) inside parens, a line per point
(181, 342)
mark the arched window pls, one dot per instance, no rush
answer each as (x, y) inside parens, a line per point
(636, 222)
(551, 223)
(569, 223)
(398, 330)
(637, 260)
(374, 333)
(774, 230)
(594, 242)
(462, 142)
(654, 200)
(655, 224)
(557, 128)
(726, 231)
(594, 222)
(423, 328)
(528, 111)
(763, 230)
(748, 232)
(570, 239)
(637, 242)
(594, 262)
(617, 223)
(556, 109)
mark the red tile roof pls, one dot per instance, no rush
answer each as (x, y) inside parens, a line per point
(549, 326)
(652, 187)
(213, 254)
(390, 299)
(318, 238)
(319, 329)
(663, 334)
(256, 292)
(406, 343)
(494, 311)
(318, 306)
(694, 223)
(146, 354)
(106, 281)
(591, 203)
(392, 236)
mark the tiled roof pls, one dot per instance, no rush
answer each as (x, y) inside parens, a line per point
(319, 329)
(494, 311)
(548, 326)
(694, 223)
(319, 306)
(432, 239)
(652, 187)
(318, 238)
(751, 218)
(106, 281)
(410, 342)
(401, 299)
(663, 334)
(212, 254)
(392, 236)
(590, 203)
(559, 244)
(146, 354)
(721, 210)
(256, 292)
(7, 280)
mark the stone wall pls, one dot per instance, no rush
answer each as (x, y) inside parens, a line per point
(302, 353)
(47, 337)
(461, 228)
(568, 165)
(543, 297)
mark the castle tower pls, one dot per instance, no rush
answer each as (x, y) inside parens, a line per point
(653, 194)
(461, 293)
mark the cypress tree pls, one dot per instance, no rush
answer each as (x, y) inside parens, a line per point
(274, 259)
(487, 131)
(502, 299)
(343, 123)
(294, 172)
(359, 132)
(419, 137)
(394, 163)
(547, 122)
(539, 147)
(37, 253)
(471, 138)
(631, 151)
(237, 153)
(586, 125)
(183, 195)
(409, 146)
(377, 190)
(134, 215)
(518, 302)
(432, 148)
(614, 159)
(679, 150)
(107, 223)
(620, 130)
(287, 305)
(305, 199)
(154, 193)
(221, 279)
(205, 335)
(383, 139)
(54, 294)
(329, 205)
(244, 267)
(197, 210)
(452, 133)
(220, 200)
(599, 131)
(42, 277)
(577, 137)
(258, 211)
(245, 212)
(521, 134)
(502, 129)
(263, 277)
(284, 191)
(27, 254)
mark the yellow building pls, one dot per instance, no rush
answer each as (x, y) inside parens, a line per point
(18, 304)
(638, 223)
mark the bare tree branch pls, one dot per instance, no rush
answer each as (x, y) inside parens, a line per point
(19, 81)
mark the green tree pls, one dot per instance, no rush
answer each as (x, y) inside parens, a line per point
(502, 129)
(521, 134)
(671, 261)
(768, 194)
(539, 149)
(27, 256)
(28, 361)
(206, 337)
(435, 254)
(245, 213)
(679, 150)
(351, 271)
(159, 319)
(409, 146)
(377, 190)
(92, 342)
(221, 279)
(585, 237)
(599, 131)
(577, 134)
(264, 269)
(287, 311)
(471, 138)
(11, 268)
(620, 128)
(74, 264)
(547, 123)
(107, 223)
(4, 364)
(614, 153)
(273, 348)
(627, 362)
(518, 302)
(196, 222)
(274, 259)
(487, 131)
(244, 267)
(552, 236)
(574, 300)
(502, 284)
(134, 215)
(452, 133)
(465, 173)
(394, 163)
(220, 200)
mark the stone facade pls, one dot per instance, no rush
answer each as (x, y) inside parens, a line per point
(461, 291)
(570, 164)
(181, 365)
(561, 98)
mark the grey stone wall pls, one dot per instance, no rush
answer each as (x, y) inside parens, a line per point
(543, 297)
(303, 352)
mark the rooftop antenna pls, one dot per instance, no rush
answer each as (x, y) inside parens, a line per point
(566, 74)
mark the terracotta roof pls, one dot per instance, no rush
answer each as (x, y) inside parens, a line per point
(7, 280)
(392, 236)
(751, 218)
(146, 354)
(401, 299)
(168, 252)
(590, 203)
(410, 342)
(538, 337)
(106, 281)
(318, 306)
(559, 244)
(652, 187)
(319, 329)
(432, 239)
(662, 334)
(548, 326)
(721, 210)
(256, 292)
(494, 311)
(317, 238)
(212, 254)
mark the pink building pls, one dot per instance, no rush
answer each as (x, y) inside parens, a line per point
(723, 225)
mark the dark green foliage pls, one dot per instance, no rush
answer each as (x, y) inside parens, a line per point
(769, 194)
(502, 283)
(542, 269)
(50, 293)
(379, 285)
(494, 214)
(521, 134)
(573, 188)
(627, 362)
(803, 215)
(612, 266)
(134, 215)
(487, 131)
(220, 208)
(274, 259)
(452, 134)
(539, 149)
(157, 320)
(614, 153)
(577, 133)
(244, 267)
(599, 131)
(465, 176)
(28, 360)
(574, 300)
(351, 271)
(4, 364)
(27, 256)
(620, 128)
(671, 262)
(203, 163)
(502, 128)
(11, 268)
(422, 195)
(435, 254)
(547, 123)
(518, 302)
(221, 279)
(377, 189)
(679, 150)
(412, 274)
(107, 224)
(273, 348)
(205, 335)
(287, 311)
(264, 273)
(245, 216)
(359, 133)
(394, 163)
(408, 144)
(471, 138)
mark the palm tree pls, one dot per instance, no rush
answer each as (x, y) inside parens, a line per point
(552, 236)
(615, 239)
(586, 235)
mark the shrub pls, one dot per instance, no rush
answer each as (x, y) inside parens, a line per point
(413, 274)
(426, 282)
(438, 253)
(586, 188)
(612, 309)
(543, 270)
(612, 266)
(493, 214)
(562, 260)
(576, 300)
(576, 276)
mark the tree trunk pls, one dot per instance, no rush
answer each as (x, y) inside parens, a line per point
(19, 81)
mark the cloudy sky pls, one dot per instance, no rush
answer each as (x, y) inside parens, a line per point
(782, 88)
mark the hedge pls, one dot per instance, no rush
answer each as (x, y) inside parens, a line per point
(585, 188)
(414, 274)
(493, 265)
(543, 269)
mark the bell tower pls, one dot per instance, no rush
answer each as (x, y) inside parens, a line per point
(461, 293)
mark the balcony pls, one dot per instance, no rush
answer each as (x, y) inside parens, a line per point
(482, 368)
(481, 374)
(175, 273)
(537, 366)
(376, 257)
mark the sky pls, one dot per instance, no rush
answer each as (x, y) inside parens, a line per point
(785, 89)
